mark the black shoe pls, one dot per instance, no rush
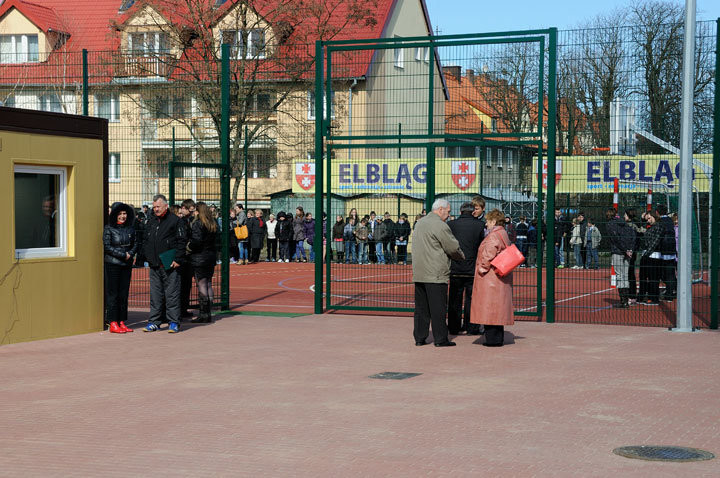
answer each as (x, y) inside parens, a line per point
(420, 344)
(492, 345)
(446, 344)
(186, 314)
(454, 332)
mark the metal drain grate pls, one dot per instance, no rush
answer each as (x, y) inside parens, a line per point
(663, 453)
(394, 375)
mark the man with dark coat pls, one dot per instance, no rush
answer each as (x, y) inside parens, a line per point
(256, 231)
(469, 233)
(187, 212)
(622, 247)
(389, 239)
(164, 245)
(668, 253)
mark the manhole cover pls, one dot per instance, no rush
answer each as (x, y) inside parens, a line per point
(394, 375)
(663, 453)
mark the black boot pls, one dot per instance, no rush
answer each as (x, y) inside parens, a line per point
(623, 304)
(208, 311)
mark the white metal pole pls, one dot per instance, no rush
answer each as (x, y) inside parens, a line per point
(684, 292)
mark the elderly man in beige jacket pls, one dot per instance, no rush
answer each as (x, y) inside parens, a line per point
(433, 244)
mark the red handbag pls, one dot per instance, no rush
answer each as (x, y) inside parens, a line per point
(508, 259)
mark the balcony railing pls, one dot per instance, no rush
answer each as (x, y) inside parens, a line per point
(160, 64)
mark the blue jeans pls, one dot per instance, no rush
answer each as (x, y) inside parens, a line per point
(521, 244)
(300, 250)
(379, 253)
(350, 252)
(243, 247)
(578, 254)
(592, 257)
(362, 252)
(559, 255)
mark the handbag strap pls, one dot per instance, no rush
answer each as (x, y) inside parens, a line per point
(502, 239)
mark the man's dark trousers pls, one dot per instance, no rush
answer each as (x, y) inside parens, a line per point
(186, 277)
(430, 307)
(164, 285)
(458, 286)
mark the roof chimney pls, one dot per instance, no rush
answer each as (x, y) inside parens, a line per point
(470, 73)
(452, 71)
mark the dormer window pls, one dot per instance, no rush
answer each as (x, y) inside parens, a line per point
(19, 48)
(148, 43)
(255, 40)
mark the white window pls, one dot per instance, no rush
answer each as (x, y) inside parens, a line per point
(510, 160)
(19, 48)
(40, 211)
(488, 157)
(114, 168)
(422, 53)
(399, 57)
(311, 105)
(108, 107)
(50, 102)
(499, 158)
(255, 38)
(148, 43)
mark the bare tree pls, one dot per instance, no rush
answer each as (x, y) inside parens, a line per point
(272, 68)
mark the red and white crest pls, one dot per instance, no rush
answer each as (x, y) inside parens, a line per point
(463, 173)
(558, 172)
(305, 175)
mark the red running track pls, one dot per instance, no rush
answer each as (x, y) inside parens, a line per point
(581, 296)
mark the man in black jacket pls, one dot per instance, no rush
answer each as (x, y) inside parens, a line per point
(164, 245)
(668, 253)
(622, 247)
(187, 212)
(469, 232)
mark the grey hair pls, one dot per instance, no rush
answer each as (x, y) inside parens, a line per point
(440, 203)
(160, 196)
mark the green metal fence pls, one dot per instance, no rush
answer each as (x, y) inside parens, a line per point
(402, 121)
(421, 130)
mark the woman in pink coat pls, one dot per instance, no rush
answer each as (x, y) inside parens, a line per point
(492, 294)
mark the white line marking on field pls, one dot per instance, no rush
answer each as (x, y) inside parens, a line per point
(569, 299)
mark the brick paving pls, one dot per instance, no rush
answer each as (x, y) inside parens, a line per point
(276, 396)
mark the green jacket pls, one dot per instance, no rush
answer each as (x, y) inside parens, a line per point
(432, 248)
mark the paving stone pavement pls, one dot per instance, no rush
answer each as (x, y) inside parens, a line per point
(275, 396)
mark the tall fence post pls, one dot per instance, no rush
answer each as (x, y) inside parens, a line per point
(550, 209)
(85, 80)
(319, 179)
(225, 175)
(715, 226)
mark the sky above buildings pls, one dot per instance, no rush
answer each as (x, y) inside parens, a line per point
(473, 16)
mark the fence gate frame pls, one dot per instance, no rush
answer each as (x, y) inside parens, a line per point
(325, 141)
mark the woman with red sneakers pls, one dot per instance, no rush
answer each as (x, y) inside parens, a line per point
(120, 243)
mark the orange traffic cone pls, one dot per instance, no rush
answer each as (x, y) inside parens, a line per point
(613, 278)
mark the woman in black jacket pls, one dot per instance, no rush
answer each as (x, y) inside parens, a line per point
(120, 242)
(651, 260)
(203, 256)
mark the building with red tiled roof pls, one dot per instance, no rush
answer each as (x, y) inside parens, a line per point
(153, 73)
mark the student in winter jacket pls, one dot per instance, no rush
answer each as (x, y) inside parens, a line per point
(337, 239)
(651, 262)
(299, 235)
(389, 239)
(379, 236)
(272, 241)
(309, 229)
(284, 232)
(203, 256)
(402, 236)
(350, 243)
(256, 231)
(622, 244)
(121, 243)
(361, 236)
(576, 242)
(592, 243)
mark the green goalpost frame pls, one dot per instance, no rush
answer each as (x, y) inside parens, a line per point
(430, 140)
